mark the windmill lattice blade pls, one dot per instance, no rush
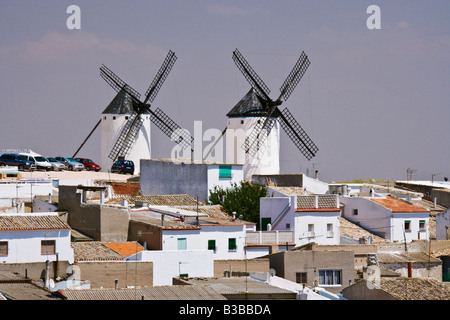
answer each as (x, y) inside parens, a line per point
(297, 134)
(295, 76)
(251, 76)
(171, 129)
(258, 135)
(116, 83)
(160, 77)
(126, 137)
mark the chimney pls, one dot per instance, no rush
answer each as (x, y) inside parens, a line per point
(234, 216)
(47, 274)
(316, 175)
(409, 269)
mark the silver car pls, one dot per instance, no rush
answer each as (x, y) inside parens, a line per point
(56, 165)
(71, 164)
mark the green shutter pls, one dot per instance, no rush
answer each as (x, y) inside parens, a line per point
(224, 171)
(231, 243)
(182, 243)
(211, 244)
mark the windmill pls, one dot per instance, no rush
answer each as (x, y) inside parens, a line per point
(128, 100)
(257, 103)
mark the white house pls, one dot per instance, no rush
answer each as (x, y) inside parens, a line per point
(34, 237)
(393, 219)
(312, 218)
(169, 264)
(187, 230)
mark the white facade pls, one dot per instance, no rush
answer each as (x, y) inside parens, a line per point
(111, 127)
(216, 179)
(319, 226)
(169, 264)
(266, 160)
(25, 245)
(229, 240)
(412, 223)
(14, 193)
(317, 223)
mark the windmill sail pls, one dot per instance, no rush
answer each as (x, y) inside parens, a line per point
(298, 136)
(263, 127)
(127, 136)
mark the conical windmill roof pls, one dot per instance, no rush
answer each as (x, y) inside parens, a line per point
(251, 105)
(121, 104)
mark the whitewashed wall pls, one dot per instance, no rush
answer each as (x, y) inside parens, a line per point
(237, 175)
(198, 240)
(170, 264)
(25, 245)
(320, 220)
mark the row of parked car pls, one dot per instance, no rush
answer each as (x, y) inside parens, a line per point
(34, 162)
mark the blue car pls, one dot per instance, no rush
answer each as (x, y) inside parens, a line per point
(18, 160)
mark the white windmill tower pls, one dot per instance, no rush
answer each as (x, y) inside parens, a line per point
(125, 123)
(253, 126)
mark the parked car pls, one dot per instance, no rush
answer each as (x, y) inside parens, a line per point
(71, 164)
(14, 159)
(40, 161)
(56, 165)
(123, 166)
(88, 164)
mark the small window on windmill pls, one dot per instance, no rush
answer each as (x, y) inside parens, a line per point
(242, 121)
(224, 171)
(126, 117)
(114, 117)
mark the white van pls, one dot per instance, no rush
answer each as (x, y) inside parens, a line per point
(40, 161)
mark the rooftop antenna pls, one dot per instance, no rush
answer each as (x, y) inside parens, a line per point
(409, 173)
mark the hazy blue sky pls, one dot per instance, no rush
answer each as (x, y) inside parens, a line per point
(375, 102)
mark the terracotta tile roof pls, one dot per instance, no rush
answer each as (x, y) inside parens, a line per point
(125, 249)
(398, 205)
(415, 289)
(95, 251)
(31, 222)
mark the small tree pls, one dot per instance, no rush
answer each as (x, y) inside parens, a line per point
(241, 198)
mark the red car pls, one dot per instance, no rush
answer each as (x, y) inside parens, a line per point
(89, 164)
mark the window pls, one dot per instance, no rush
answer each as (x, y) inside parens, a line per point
(355, 212)
(407, 225)
(224, 171)
(329, 230)
(330, 277)
(212, 245)
(47, 247)
(181, 243)
(300, 277)
(422, 224)
(3, 248)
(232, 244)
(310, 228)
